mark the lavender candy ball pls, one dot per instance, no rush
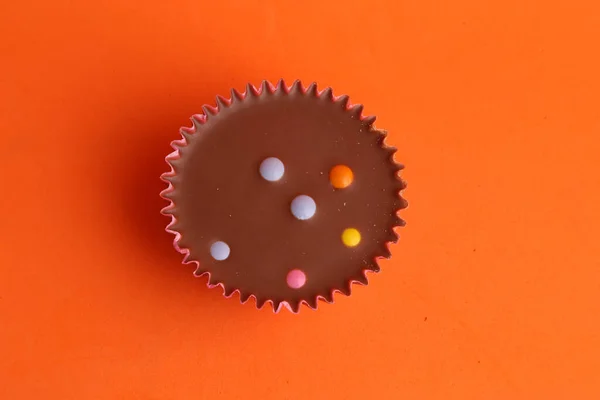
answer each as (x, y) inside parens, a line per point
(303, 207)
(271, 169)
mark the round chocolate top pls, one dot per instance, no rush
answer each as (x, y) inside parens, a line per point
(242, 185)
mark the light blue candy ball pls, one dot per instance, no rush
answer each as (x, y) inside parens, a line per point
(219, 251)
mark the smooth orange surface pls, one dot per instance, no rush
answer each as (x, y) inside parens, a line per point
(341, 176)
(493, 291)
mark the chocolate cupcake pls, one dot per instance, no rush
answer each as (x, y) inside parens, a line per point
(284, 194)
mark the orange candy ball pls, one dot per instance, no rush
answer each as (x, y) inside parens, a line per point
(341, 176)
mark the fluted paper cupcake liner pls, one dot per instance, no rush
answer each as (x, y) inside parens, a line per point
(237, 100)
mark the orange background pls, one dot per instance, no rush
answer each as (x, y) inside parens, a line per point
(493, 291)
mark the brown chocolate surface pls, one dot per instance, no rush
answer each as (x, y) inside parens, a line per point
(218, 194)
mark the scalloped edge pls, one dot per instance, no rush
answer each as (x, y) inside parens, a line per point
(210, 111)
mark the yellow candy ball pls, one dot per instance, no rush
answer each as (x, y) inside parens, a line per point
(351, 237)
